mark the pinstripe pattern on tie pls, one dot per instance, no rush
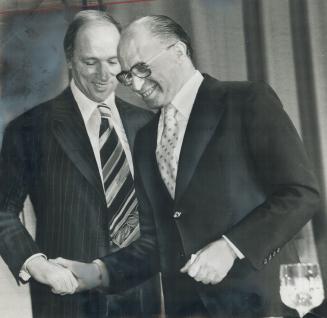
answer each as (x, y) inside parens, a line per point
(118, 184)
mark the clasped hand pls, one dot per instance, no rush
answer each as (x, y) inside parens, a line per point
(211, 264)
(60, 279)
(64, 276)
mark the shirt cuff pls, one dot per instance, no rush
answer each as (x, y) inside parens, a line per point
(24, 275)
(238, 253)
(104, 276)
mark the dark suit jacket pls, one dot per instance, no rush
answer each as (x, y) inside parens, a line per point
(243, 173)
(47, 155)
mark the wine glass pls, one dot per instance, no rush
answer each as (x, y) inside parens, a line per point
(301, 286)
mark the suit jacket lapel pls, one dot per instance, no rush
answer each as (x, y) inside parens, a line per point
(204, 118)
(69, 129)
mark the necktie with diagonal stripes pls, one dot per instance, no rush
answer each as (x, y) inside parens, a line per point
(118, 184)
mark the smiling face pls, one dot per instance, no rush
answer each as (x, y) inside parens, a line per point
(94, 64)
(165, 80)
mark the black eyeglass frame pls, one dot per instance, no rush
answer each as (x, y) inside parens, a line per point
(126, 77)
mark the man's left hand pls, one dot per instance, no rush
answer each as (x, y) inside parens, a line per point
(212, 263)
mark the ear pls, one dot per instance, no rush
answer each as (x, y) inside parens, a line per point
(69, 64)
(181, 50)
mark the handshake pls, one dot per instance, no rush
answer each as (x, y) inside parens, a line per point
(67, 277)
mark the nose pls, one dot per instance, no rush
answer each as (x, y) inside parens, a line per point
(103, 72)
(137, 83)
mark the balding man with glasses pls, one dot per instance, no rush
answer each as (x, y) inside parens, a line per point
(222, 178)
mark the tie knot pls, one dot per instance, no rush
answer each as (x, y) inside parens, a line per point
(170, 112)
(105, 110)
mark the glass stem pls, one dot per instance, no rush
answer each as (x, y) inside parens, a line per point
(302, 313)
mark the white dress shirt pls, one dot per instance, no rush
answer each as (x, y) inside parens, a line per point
(183, 102)
(92, 121)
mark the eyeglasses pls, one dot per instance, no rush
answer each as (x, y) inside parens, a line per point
(141, 69)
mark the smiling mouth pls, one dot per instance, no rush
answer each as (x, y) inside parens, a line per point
(148, 92)
(101, 85)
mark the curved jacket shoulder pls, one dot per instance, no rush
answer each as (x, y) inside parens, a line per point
(37, 115)
(242, 89)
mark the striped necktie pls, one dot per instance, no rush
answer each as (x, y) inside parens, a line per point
(118, 184)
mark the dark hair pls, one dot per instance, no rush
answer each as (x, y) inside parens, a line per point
(165, 28)
(81, 19)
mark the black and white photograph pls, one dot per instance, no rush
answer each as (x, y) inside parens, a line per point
(163, 159)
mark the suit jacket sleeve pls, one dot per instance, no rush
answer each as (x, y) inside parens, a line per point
(16, 244)
(139, 261)
(284, 170)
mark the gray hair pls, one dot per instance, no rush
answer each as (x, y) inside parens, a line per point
(165, 29)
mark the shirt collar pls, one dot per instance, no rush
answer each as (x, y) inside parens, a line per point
(86, 105)
(184, 99)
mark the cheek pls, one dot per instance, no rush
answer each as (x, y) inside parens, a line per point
(173, 80)
(168, 78)
(168, 86)
(115, 69)
(85, 72)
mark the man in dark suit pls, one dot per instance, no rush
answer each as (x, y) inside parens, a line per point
(222, 179)
(72, 156)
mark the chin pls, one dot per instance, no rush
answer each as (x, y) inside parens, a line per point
(152, 105)
(101, 97)
(156, 103)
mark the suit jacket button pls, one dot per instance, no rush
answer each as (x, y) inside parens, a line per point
(177, 214)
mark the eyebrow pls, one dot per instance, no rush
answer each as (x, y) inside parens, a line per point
(139, 63)
(85, 58)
